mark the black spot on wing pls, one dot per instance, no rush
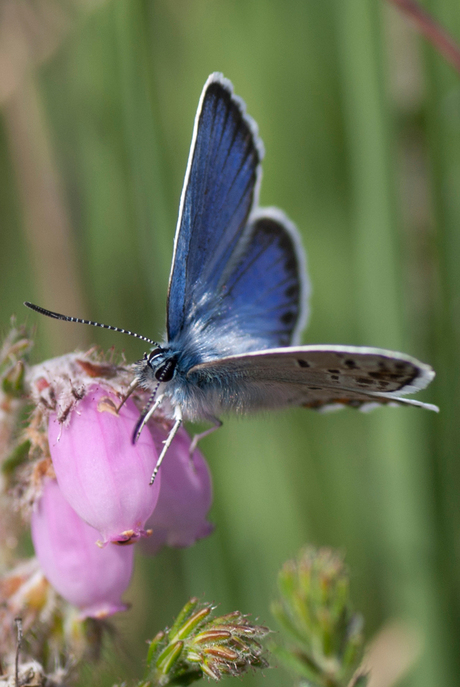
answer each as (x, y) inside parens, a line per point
(288, 317)
(364, 381)
(292, 292)
(290, 264)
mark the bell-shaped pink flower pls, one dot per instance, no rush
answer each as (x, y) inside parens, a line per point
(87, 576)
(101, 473)
(179, 518)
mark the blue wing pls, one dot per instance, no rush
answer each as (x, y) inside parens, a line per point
(220, 189)
(263, 293)
(260, 300)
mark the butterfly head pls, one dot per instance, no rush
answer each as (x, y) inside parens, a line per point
(158, 366)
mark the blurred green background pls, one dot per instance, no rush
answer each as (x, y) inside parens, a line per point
(361, 124)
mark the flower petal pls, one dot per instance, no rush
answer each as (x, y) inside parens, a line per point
(102, 474)
(89, 577)
(179, 518)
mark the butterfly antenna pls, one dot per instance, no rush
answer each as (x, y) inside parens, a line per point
(66, 318)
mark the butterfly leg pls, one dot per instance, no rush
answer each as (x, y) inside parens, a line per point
(202, 435)
(146, 415)
(167, 443)
(134, 384)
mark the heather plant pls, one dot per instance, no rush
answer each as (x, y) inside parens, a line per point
(324, 635)
(71, 473)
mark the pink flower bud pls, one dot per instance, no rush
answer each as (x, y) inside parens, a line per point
(89, 577)
(102, 474)
(179, 518)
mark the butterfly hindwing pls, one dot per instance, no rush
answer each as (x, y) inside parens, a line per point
(219, 192)
(264, 290)
(314, 377)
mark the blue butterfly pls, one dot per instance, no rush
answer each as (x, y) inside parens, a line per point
(238, 295)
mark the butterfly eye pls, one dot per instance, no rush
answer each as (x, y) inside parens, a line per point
(153, 354)
(166, 371)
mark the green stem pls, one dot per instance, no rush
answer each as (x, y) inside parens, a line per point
(432, 30)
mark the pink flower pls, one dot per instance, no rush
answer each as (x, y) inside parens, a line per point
(89, 577)
(101, 473)
(179, 518)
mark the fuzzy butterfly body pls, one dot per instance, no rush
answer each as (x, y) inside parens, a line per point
(238, 298)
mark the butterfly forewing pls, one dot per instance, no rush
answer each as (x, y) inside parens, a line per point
(219, 192)
(315, 376)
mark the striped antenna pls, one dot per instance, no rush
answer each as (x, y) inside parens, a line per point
(66, 318)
